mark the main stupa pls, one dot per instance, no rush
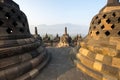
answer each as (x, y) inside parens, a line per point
(99, 55)
(21, 54)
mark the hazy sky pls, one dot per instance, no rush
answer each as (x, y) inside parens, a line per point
(50, 12)
(60, 11)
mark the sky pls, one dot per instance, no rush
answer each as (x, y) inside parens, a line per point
(51, 12)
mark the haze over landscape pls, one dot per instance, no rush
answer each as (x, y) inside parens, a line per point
(51, 16)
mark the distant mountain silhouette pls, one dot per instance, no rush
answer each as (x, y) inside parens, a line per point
(73, 29)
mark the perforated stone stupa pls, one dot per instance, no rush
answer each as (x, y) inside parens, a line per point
(99, 55)
(65, 40)
(76, 41)
(21, 54)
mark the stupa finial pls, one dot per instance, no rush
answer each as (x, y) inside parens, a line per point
(36, 32)
(65, 30)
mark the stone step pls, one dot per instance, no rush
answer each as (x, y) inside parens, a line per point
(17, 42)
(93, 73)
(105, 59)
(99, 67)
(6, 52)
(10, 61)
(34, 72)
(20, 69)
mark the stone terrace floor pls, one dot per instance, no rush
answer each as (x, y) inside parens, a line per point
(61, 66)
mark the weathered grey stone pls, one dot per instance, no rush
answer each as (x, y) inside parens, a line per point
(20, 52)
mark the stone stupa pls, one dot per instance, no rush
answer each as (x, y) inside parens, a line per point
(36, 35)
(76, 41)
(21, 54)
(56, 40)
(47, 41)
(99, 55)
(65, 40)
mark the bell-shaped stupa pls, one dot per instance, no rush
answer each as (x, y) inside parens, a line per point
(56, 40)
(47, 41)
(76, 41)
(65, 40)
(99, 55)
(21, 54)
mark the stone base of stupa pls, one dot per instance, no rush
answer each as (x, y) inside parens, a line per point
(22, 59)
(61, 44)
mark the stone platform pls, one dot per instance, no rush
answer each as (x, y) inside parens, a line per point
(61, 66)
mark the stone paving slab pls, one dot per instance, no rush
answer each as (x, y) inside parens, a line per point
(61, 67)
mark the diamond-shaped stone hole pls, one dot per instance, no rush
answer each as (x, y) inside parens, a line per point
(19, 18)
(119, 33)
(94, 27)
(99, 21)
(23, 24)
(90, 32)
(119, 20)
(96, 17)
(113, 26)
(97, 33)
(9, 30)
(108, 21)
(107, 33)
(7, 15)
(21, 30)
(104, 16)
(114, 15)
(1, 22)
(15, 24)
(92, 22)
(13, 10)
(102, 27)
